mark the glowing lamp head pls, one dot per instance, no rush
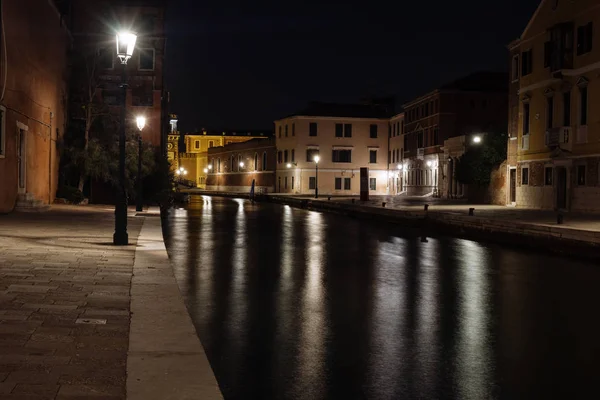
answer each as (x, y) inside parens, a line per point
(400, 166)
(205, 170)
(241, 165)
(317, 159)
(125, 45)
(209, 166)
(429, 163)
(476, 139)
(178, 172)
(141, 122)
(289, 165)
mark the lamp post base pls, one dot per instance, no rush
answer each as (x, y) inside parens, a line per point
(120, 239)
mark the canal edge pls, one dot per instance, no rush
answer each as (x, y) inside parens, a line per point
(165, 358)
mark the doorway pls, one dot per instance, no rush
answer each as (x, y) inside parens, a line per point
(513, 186)
(561, 188)
(22, 159)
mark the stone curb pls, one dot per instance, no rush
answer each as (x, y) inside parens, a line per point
(165, 359)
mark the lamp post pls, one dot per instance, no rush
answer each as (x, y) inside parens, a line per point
(316, 158)
(125, 45)
(139, 206)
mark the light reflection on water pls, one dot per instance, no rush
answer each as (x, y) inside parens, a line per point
(294, 304)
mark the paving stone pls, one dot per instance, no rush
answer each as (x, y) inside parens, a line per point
(36, 389)
(91, 391)
(6, 388)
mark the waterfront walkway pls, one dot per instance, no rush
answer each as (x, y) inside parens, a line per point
(76, 320)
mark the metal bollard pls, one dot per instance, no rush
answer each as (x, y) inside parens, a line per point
(559, 218)
(328, 197)
(471, 212)
(426, 207)
(383, 204)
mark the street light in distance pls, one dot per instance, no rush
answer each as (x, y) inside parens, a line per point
(476, 139)
(139, 203)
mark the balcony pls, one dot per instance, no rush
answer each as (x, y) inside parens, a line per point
(559, 138)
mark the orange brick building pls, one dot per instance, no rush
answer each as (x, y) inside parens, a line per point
(32, 101)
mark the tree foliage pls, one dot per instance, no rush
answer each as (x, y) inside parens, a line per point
(475, 166)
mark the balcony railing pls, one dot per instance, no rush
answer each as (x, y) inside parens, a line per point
(420, 153)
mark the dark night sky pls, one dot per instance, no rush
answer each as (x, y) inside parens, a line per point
(242, 64)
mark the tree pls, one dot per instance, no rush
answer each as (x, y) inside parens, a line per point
(475, 166)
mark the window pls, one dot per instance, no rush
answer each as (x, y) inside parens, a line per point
(390, 130)
(526, 62)
(292, 183)
(548, 176)
(2, 132)
(347, 183)
(312, 182)
(373, 131)
(312, 129)
(293, 155)
(279, 131)
(310, 154)
(285, 156)
(231, 162)
(255, 161)
(264, 161)
(285, 183)
(339, 130)
(549, 111)
(279, 157)
(146, 59)
(581, 175)
(145, 24)
(548, 46)
(239, 162)
(373, 156)
(567, 109)
(347, 130)
(436, 136)
(210, 144)
(338, 183)
(218, 165)
(436, 106)
(391, 156)
(341, 156)
(525, 176)
(372, 183)
(293, 130)
(405, 141)
(196, 144)
(583, 103)
(526, 115)
(398, 155)
(584, 39)
(286, 130)
(515, 68)
(106, 58)
(420, 139)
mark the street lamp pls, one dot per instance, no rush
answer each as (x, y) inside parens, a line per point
(141, 123)
(429, 163)
(400, 166)
(476, 139)
(316, 159)
(206, 170)
(241, 165)
(125, 45)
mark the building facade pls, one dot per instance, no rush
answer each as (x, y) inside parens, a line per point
(32, 102)
(345, 137)
(554, 151)
(191, 150)
(396, 155)
(475, 105)
(234, 166)
(99, 73)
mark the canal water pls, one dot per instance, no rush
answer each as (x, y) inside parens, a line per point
(296, 304)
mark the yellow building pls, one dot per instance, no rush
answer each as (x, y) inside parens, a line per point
(194, 157)
(554, 148)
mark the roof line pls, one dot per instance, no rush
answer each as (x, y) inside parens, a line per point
(535, 14)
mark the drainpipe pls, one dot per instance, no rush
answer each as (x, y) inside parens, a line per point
(5, 51)
(50, 160)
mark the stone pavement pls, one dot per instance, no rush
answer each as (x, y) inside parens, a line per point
(64, 304)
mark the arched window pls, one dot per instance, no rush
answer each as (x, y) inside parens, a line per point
(232, 160)
(264, 161)
(218, 165)
(213, 165)
(256, 161)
